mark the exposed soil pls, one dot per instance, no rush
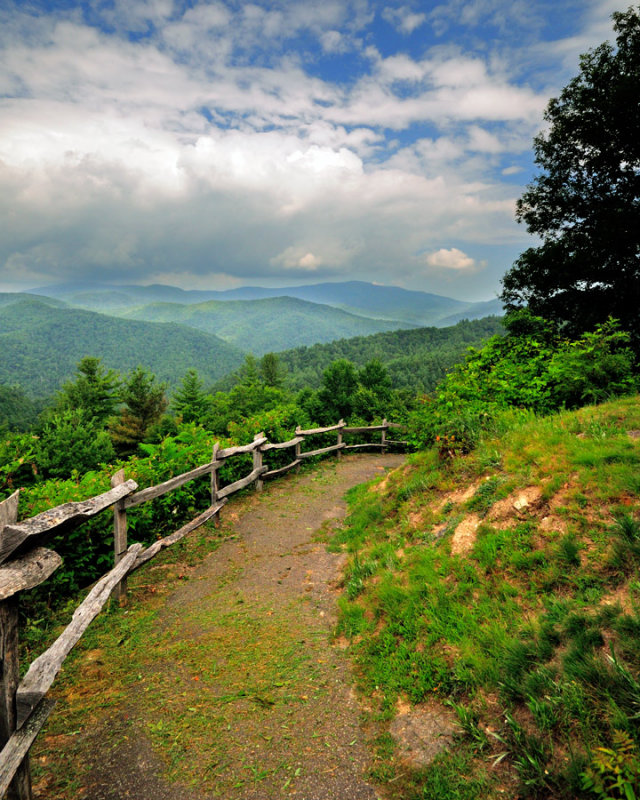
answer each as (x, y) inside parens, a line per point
(254, 625)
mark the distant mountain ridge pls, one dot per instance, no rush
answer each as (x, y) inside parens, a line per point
(268, 324)
(390, 303)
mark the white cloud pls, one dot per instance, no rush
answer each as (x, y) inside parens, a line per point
(452, 259)
(403, 19)
(211, 144)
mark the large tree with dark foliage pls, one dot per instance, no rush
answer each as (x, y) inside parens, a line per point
(585, 204)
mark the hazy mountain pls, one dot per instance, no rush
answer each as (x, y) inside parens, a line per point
(40, 346)
(389, 303)
(488, 309)
(260, 326)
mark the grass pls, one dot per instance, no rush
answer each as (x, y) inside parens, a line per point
(533, 634)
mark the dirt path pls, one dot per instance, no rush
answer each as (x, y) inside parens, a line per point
(243, 694)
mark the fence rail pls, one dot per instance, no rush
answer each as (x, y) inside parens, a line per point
(25, 562)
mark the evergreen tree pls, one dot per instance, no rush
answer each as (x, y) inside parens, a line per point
(145, 403)
(190, 401)
(94, 391)
(272, 371)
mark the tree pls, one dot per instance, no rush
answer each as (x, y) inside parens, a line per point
(190, 401)
(145, 403)
(339, 385)
(585, 205)
(272, 371)
(71, 440)
(94, 391)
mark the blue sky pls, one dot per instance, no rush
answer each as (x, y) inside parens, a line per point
(217, 144)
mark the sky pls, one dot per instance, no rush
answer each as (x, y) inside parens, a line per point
(211, 145)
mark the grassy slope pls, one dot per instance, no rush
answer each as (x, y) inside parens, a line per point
(260, 326)
(40, 346)
(503, 586)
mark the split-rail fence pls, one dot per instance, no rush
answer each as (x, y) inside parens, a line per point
(25, 563)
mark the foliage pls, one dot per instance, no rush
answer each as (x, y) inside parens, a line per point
(584, 204)
(339, 384)
(145, 403)
(190, 401)
(18, 412)
(17, 461)
(614, 771)
(529, 369)
(71, 442)
(591, 369)
(415, 360)
(94, 392)
(272, 371)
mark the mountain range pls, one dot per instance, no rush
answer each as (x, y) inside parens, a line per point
(44, 333)
(402, 307)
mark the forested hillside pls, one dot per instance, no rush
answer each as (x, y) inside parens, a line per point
(41, 344)
(261, 326)
(415, 359)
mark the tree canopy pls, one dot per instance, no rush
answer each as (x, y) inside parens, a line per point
(585, 204)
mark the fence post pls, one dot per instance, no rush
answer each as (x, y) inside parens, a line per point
(384, 436)
(257, 461)
(339, 452)
(297, 452)
(20, 788)
(214, 483)
(119, 537)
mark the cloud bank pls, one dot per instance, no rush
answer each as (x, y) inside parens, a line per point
(219, 143)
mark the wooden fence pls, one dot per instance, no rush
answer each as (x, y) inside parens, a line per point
(26, 563)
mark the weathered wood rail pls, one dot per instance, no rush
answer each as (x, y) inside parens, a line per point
(25, 562)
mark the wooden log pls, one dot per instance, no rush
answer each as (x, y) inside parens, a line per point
(313, 431)
(257, 461)
(44, 669)
(340, 439)
(8, 512)
(119, 537)
(360, 446)
(322, 450)
(227, 452)
(298, 450)
(365, 429)
(27, 571)
(20, 779)
(383, 435)
(19, 536)
(394, 441)
(282, 445)
(162, 544)
(16, 750)
(162, 488)
(273, 473)
(396, 425)
(241, 484)
(215, 483)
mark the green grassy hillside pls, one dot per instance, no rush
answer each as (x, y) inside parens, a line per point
(260, 326)
(497, 596)
(40, 346)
